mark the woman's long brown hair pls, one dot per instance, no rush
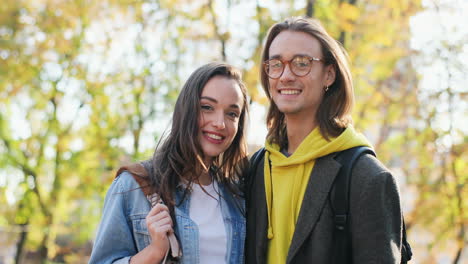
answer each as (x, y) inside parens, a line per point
(179, 156)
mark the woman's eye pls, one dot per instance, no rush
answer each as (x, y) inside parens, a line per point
(206, 107)
(233, 114)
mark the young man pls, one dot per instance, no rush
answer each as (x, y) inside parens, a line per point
(289, 214)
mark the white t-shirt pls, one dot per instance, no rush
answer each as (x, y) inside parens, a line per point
(205, 211)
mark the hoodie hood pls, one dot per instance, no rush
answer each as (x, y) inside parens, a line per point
(315, 146)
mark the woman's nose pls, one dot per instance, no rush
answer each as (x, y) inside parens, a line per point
(219, 121)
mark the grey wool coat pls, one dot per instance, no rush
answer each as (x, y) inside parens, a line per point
(375, 216)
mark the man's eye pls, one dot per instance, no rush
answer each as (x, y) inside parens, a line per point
(276, 64)
(301, 63)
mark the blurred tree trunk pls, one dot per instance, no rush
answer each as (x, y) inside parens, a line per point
(342, 37)
(21, 242)
(310, 8)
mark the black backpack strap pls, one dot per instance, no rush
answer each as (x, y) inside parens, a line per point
(340, 202)
(255, 160)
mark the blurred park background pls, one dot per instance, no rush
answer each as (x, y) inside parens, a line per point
(86, 86)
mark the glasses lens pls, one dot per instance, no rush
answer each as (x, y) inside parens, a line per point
(274, 68)
(301, 65)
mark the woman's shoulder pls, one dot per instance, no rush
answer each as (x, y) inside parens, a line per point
(126, 181)
(137, 175)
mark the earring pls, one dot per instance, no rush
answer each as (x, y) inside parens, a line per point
(326, 88)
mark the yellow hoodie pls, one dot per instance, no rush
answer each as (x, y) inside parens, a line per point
(286, 183)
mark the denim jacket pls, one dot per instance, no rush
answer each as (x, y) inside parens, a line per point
(122, 232)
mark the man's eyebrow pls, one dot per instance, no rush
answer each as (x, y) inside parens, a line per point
(277, 56)
(236, 106)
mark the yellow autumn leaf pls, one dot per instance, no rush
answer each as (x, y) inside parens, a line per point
(348, 11)
(347, 15)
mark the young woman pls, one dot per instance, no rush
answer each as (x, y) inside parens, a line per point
(194, 170)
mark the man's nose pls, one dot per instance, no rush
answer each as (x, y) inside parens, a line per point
(287, 75)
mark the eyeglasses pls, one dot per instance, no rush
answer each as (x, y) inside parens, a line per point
(300, 65)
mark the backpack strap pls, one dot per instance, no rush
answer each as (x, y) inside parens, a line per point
(248, 180)
(339, 197)
(141, 176)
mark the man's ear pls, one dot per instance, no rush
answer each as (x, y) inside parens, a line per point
(331, 75)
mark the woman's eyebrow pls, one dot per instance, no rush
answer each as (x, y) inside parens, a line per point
(209, 99)
(236, 106)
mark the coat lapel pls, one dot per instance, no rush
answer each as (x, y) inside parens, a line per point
(316, 194)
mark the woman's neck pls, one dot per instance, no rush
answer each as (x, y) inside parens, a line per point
(205, 178)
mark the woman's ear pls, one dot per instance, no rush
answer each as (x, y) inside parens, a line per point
(331, 75)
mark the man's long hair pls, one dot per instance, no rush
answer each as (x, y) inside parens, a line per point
(333, 114)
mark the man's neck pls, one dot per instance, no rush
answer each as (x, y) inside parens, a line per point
(298, 129)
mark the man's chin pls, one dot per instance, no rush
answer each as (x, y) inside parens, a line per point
(288, 110)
